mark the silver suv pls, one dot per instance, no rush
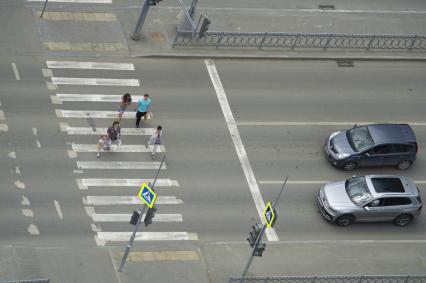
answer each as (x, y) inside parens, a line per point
(370, 198)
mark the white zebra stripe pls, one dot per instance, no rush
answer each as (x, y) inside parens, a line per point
(99, 182)
(127, 200)
(126, 217)
(75, 1)
(94, 81)
(147, 236)
(90, 65)
(102, 131)
(136, 165)
(115, 148)
(60, 113)
(91, 97)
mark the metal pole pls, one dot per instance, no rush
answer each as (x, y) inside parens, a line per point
(136, 33)
(259, 238)
(133, 236)
(192, 8)
(188, 16)
(132, 239)
(44, 8)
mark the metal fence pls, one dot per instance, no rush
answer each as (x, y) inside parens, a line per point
(332, 279)
(264, 40)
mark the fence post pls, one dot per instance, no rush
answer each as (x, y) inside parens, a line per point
(328, 41)
(263, 40)
(407, 279)
(412, 43)
(295, 41)
(371, 41)
(219, 40)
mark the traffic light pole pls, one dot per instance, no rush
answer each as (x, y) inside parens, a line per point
(44, 8)
(144, 12)
(141, 212)
(260, 237)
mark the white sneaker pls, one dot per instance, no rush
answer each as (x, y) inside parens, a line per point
(98, 154)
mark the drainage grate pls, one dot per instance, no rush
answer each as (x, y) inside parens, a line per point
(345, 63)
(326, 7)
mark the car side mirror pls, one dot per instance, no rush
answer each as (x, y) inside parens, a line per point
(367, 208)
(367, 154)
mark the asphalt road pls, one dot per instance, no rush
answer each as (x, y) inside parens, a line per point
(217, 204)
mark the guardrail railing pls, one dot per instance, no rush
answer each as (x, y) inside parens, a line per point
(333, 279)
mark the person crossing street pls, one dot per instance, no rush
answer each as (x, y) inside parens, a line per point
(113, 136)
(155, 140)
(142, 108)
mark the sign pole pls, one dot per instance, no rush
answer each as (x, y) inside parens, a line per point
(142, 211)
(260, 237)
(144, 12)
(44, 8)
(132, 239)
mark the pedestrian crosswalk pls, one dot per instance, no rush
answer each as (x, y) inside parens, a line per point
(3, 127)
(107, 201)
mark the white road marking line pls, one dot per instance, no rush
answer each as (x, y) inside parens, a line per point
(90, 65)
(95, 182)
(126, 217)
(62, 97)
(4, 128)
(114, 266)
(325, 123)
(15, 71)
(93, 114)
(27, 212)
(89, 210)
(148, 236)
(239, 147)
(55, 100)
(38, 143)
(94, 81)
(314, 182)
(35, 132)
(12, 154)
(33, 230)
(58, 209)
(95, 228)
(20, 184)
(102, 131)
(18, 171)
(115, 148)
(355, 241)
(1, 115)
(127, 200)
(136, 165)
(25, 201)
(76, 1)
(78, 171)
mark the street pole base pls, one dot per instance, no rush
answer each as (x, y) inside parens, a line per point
(135, 36)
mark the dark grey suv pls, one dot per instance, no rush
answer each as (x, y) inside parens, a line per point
(372, 145)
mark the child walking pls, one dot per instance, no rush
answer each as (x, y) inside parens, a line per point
(155, 140)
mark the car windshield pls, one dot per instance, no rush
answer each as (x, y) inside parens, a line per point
(360, 138)
(357, 190)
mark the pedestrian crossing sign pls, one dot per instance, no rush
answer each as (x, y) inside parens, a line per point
(147, 195)
(269, 215)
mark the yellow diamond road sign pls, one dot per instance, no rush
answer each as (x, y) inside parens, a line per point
(147, 195)
(269, 215)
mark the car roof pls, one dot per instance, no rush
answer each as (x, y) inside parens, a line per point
(391, 133)
(410, 188)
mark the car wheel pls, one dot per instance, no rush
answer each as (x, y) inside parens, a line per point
(349, 166)
(405, 164)
(345, 220)
(403, 219)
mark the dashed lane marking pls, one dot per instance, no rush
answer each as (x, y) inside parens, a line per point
(102, 131)
(35, 132)
(58, 209)
(1, 115)
(38, 143)
(60, 113)
(27, 212)
(159, 256)
(127, 200)
(115, 148)
(33, 230)
(94, 81)
(12, 154)
(4, 128)
(15, 71)
(77, 16)
(20, 184)
(126, 217)
(239, 146)
(90, 65)
(85, 183)
(121, 165)
(25, 201)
